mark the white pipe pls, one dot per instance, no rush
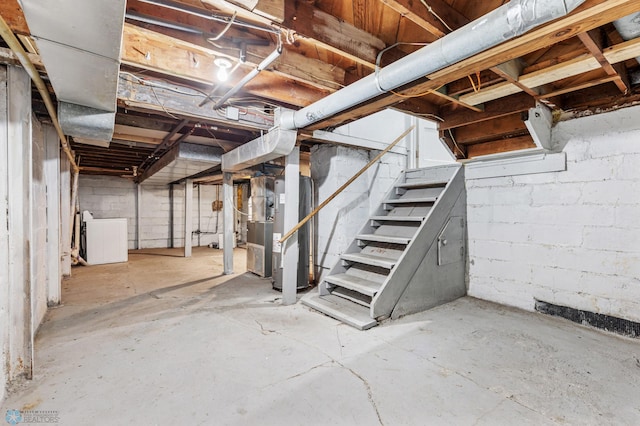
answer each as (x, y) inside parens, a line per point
(502, 24)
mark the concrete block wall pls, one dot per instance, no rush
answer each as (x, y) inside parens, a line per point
(110, 197)
(38, 246)
(571, 238)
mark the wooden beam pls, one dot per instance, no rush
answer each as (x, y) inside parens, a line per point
(425, 18)
(497, 128)
(8, 57)
(169, 56)
(503, 145)
(12, 13)
(332, 34)
(511, 71)
(580, 86)
(593, 41)
(492, 110)
(182, 102)
(455, 100)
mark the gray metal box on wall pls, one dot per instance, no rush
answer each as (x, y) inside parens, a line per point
(304, 240)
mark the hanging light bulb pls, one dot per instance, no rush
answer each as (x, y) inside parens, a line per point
(223, 65)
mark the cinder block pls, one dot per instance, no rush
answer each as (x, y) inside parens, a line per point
(500, 269)
(497, 196)
(614, 239)
(626, 216)
(611, 192)
(490, 182)
(629, 168)
(590, 170)
(556, 194)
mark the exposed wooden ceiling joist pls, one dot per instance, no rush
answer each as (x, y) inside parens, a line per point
(331, 33)
(590, 15)
(581, 64)
(169, 56)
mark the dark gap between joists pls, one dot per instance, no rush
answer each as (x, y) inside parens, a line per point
(600, 321)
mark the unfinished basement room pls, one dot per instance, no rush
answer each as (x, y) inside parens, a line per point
(320, 212)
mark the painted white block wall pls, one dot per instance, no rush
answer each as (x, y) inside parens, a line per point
(38, 243)
(111, 197)
(571, 238)
(4, 236)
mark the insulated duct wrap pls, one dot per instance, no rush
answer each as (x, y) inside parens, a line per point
(504, 23)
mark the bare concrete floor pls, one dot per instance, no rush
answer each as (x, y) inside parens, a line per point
(167, 340)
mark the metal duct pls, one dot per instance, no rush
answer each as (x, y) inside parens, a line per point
(629, 27)
(79, 42)
(182, 161)
(502, 24)
(275, 144)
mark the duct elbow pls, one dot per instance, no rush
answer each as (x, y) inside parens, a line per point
(287, 120)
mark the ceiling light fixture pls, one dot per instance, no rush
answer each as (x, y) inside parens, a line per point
(223, 65)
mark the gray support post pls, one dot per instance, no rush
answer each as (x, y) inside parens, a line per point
(65, 214)
(291, 217)
(138, 214)
(171, 218)
(228, 223)
(188, 216)
(52, 179)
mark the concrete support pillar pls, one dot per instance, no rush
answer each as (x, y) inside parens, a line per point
(291, 212)
(19, 176)
(188, 216)
(65, 214)
(52, 179)
(228, 223)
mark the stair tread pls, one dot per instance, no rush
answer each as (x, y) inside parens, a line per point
(410, 200)
(399, 218)
(351, 295)
(384, 238)
(422, 183)
(341, 309)
(351, 282)
(369, 259)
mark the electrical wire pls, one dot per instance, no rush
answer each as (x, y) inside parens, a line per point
(456, 144)
(225, 29)
(377, 71)
(433, 12)
(234, 207)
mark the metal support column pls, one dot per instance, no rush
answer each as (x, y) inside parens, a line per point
(138, 214)
(228, 223)
(188, 216)
(291, 217)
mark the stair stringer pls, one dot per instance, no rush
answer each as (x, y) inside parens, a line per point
(433, 284)
(402, 275)
(338, 267)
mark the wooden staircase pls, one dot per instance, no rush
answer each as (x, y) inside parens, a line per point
(408, 257)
